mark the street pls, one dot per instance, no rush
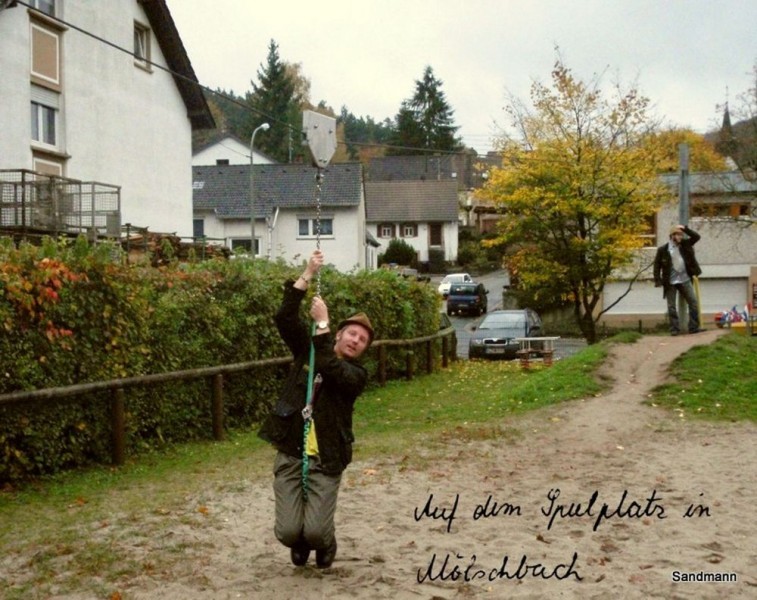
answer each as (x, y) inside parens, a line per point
(494, 283)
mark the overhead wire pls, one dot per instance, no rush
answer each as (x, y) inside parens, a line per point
(194, 81)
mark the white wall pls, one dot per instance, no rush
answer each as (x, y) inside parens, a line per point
(123, 125)
(15, 66)
(228, 149)
(420, 243)
(450, 241)
(345, 250)
(127, 126)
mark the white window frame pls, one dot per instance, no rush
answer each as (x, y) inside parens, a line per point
(46, 7)
(312, 229)
(45, 103)
(142, 46)
(44, 124)
(198, 224)
(236, 242)
(387, 231)
(409, 230)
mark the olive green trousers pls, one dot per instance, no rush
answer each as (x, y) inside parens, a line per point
(297, 520)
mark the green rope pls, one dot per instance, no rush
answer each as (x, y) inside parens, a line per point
(307, 415)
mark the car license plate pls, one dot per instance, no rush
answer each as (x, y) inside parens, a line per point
(495, 350)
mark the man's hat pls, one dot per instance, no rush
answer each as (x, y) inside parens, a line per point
(675, 229)
(358, 319)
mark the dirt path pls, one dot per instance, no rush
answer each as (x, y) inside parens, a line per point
(611, 444)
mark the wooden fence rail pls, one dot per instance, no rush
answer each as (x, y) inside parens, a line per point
(117, 387)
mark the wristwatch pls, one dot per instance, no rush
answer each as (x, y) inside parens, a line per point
(322, 324)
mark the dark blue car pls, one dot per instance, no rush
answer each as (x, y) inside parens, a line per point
(468, 298)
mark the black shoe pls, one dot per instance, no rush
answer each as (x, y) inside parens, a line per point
(299, 554)
(697, 330)
(674, 332)
(324, 558)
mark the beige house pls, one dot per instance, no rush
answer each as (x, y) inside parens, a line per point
(424, 214)
(723, 210)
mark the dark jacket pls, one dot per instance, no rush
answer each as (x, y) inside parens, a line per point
(663, 263)
(343, 382)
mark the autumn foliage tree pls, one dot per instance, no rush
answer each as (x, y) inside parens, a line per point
(577, 186)
(703, 157)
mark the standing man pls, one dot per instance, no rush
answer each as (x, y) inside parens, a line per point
(674, 266)
(306, 499)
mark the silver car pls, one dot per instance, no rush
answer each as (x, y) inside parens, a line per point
(494, 336)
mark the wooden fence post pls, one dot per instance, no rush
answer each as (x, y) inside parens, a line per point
(118, 426)
(445, 352)
(429, 357)
(217, 407)
(409, 364)
(382, 366)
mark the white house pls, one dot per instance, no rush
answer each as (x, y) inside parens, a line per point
(99, 113)
(227, 149)
(286, 211)
(723, 209)
(424, 214)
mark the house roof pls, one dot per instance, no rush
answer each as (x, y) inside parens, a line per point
(411, 201)
(170, 43)
(225, 189)
(712, 183)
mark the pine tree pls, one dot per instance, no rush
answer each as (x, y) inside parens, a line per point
(426, 120)
(274, 101)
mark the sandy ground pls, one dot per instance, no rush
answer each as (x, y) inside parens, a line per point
(643, 466)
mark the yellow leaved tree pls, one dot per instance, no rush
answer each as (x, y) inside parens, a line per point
(576, 188)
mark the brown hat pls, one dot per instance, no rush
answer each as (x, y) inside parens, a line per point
(358, 319)
(675, 229)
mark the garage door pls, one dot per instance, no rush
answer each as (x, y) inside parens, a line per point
(644, 298)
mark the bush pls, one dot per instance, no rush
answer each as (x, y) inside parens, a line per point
(69, 314)
(399, 252)
(436, 262)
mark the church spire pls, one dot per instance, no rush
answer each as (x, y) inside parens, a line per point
(726, 144)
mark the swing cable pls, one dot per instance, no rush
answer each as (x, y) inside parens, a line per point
(307, 412)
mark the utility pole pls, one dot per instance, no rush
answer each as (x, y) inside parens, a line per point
(683, 213)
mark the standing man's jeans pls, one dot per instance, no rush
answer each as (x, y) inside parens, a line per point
(297, 520)
(687, 291)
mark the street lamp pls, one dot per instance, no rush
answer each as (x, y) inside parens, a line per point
(264, 127)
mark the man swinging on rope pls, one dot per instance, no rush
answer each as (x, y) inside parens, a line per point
(308, 468)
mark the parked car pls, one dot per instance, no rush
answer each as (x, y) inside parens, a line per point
(453, 278)
(413, 274)
(469, 298)
(494, 336)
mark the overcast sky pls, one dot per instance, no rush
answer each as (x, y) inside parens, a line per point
(367, 55)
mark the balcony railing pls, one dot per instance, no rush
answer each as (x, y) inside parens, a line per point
(33, 202)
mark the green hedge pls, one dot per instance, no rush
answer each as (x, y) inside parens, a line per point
(71, 313)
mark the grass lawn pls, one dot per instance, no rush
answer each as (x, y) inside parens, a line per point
(718, 381)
